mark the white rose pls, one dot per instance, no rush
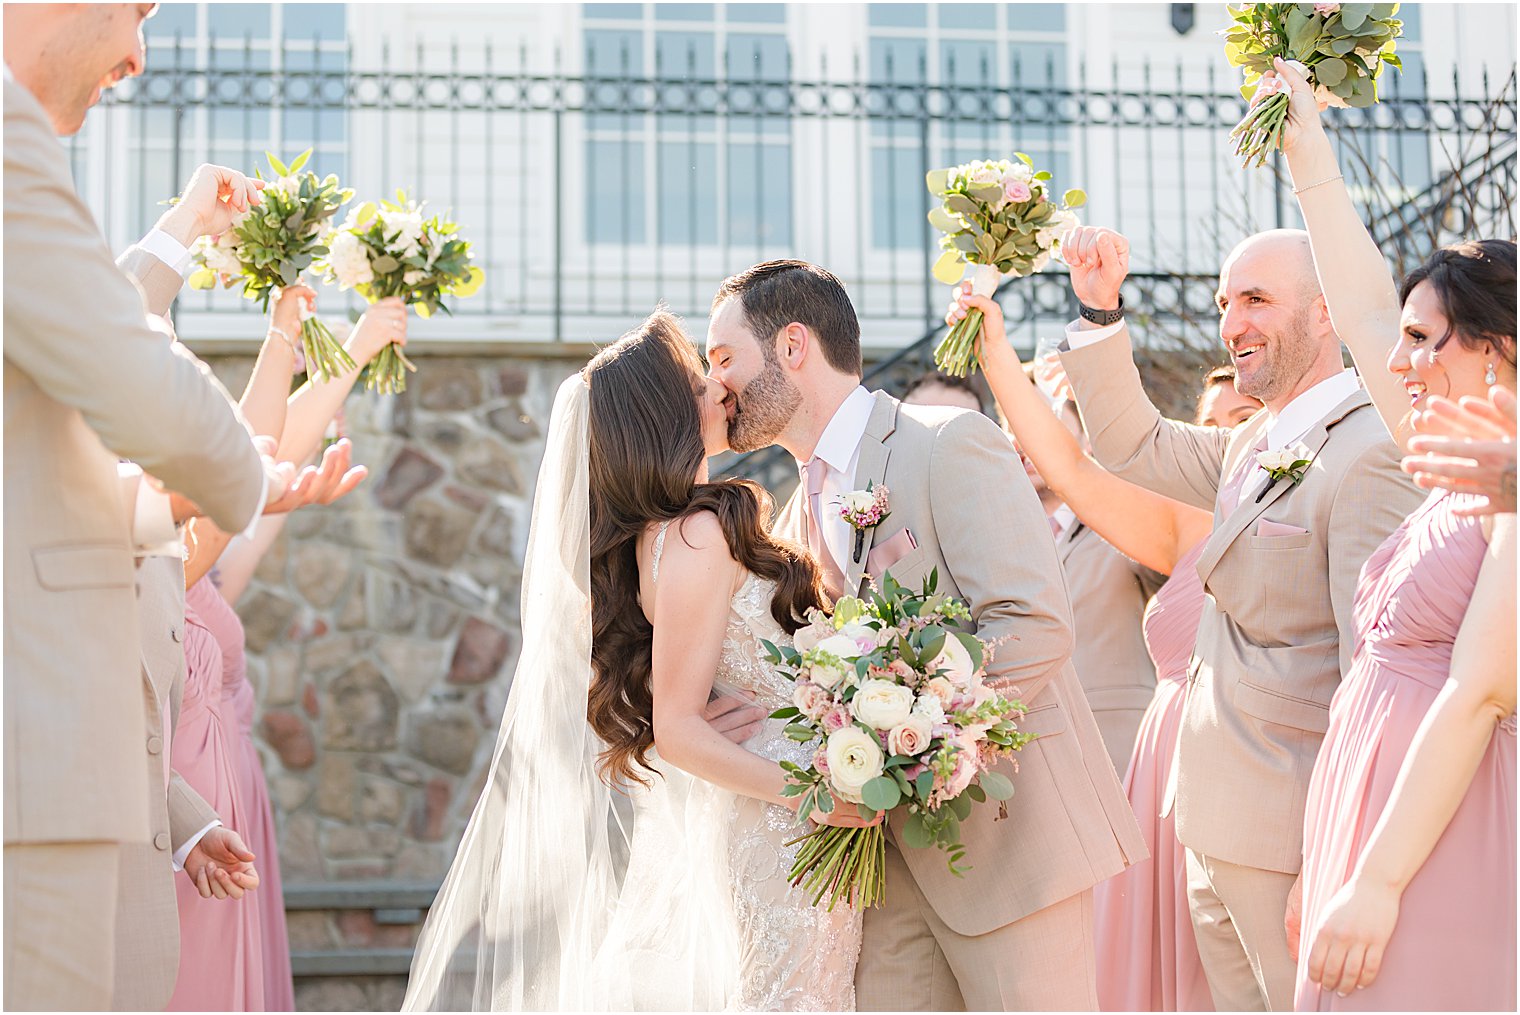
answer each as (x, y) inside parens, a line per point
(855, 759)
(1018, 171)
(858, 500)
(409, 225)
(910, 737)
(1041, 260)
(941, 689)
(1280, 459)
(985, 174)
(349, 258)
(414, 276)
(289, 184)
(881, 704)
(956, 661)
(807, 638)
(841, 645)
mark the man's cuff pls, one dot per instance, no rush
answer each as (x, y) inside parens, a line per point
(167, 249)
(1078, 336)
(183, 853)
(153, 530)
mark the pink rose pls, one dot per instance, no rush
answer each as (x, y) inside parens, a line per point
(821, 761)
(810, 699)
(835, 719)
(941, 689)
(1017, 191)
(901, 669)
(1326, 9)
(910, 738)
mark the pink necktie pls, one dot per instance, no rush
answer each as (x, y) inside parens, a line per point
(813, 476)
(1229, 494)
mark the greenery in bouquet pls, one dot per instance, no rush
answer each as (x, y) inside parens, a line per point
(270, 245)
(1341, 48)
(997, 217)
(391, 249)
(890, 694)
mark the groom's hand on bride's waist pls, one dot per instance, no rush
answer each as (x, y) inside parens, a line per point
(738, 719)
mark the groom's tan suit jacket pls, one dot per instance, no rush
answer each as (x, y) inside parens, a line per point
(956, 484)
(1277, 631)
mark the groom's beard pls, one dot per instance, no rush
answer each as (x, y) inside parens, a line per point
(762, 410)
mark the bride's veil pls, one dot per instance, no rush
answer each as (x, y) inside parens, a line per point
(567, 895)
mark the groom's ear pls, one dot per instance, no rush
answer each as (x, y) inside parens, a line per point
(793, 343)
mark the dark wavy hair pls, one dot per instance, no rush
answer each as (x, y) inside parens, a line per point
(1475, 284)
(645, 452)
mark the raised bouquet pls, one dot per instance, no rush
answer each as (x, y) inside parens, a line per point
(390, 249)
(270, 245)
(1340, 48)
(891, 695)
(998, 217)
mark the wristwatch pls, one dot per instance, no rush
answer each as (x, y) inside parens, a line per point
(1101, 317)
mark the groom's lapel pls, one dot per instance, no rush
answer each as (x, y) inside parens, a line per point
(870, 468)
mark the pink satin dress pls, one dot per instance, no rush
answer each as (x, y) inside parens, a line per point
(1454, 946)
(1146, 954)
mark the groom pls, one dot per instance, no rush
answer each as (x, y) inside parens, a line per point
(1016, 932)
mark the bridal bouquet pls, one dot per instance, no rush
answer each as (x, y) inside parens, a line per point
(390, 249)
(1340, 48)
(891, 696)
(999, 217)
(269, 246)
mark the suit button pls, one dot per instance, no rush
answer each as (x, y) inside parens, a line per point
(161, 840)
(155, 744)
(174, 633)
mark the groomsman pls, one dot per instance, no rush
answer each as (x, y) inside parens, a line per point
(1280, 571)
(87, 382)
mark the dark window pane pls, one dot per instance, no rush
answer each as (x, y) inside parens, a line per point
(760, 194)
(615, 201)
(964, 62)
(1036, 17)
(234, 21)
(1409, 14)
(769, 14)
(1033, 64)
(757, 57)
(683, 12)
(172, 18)
(622, 11)
(898, 199)
(899, 16)
(323, 21)
(897, 61)
(978, 17)
(684, 54)
(688, 188)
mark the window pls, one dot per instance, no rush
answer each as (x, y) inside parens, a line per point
(684, 178)
(970, 49)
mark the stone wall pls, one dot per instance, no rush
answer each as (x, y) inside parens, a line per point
(382, 630)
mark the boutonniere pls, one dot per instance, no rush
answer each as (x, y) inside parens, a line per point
(864, 509)
(1287, 463)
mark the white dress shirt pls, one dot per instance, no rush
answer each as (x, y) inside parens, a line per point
(1295, 420)
(839, 447)
(1066, 518)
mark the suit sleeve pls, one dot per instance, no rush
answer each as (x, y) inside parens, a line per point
(75, 326)
(996, 543)
(188, 812)
(159, 283)
(1373, 499)
(1129, 435)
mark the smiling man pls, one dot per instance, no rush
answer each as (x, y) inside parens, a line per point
(1280, 570)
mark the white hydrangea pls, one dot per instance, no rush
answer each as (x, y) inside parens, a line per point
(220, 254)
(409, 225)
(349, 258)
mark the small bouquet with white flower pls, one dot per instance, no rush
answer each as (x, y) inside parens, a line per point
(1341, 49)
(390, 249)
(269, 246)
(998, 217)
(892, 696)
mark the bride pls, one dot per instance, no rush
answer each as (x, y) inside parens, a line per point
(624, 855)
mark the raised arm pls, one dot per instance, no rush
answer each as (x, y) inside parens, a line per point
(1129, 435)
(1358, 287)
(1434, 777)
(1147, 527)
(1008, 575)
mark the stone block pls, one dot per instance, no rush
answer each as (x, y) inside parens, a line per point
(362, 711)
(486, 462)
(319, 571)
(515, 425)
(437, 532)
(336, 787)
(291, 739)
(479, 652)
(448, 387)
(381, 801)
(408, 475)
(266, 616)
(444, 735)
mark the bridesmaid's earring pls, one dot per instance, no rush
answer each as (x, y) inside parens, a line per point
(1490, 378)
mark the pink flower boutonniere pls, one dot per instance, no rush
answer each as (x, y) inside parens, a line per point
(864, 509)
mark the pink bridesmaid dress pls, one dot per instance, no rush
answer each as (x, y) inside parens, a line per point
(238, 701)
(221, 965)
(1146, 954)
(1454, 946)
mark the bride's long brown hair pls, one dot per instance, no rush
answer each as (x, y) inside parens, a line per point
(646, 448)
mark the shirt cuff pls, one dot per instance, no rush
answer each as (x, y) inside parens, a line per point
(183, 853)
(153, 529)
(253, 525)
(1077, 337)
(167, 249)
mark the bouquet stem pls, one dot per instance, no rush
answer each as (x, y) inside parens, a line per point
(325, 358)
(842, 863)
(956, 354)
(1260, 130)
(387, 372)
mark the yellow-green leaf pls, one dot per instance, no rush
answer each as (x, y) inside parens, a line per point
(949, 268)
(937, 180)
(202, 278)
(471, 285)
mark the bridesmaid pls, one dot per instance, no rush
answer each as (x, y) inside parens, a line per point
(1409, 841)
(1147, 958)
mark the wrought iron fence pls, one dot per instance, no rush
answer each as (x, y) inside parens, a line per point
(591, 196)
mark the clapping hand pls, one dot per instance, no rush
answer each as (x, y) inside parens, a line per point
(1468, 447)
(221, 866)
(1099, 260)
(319, 484)
(214, 197)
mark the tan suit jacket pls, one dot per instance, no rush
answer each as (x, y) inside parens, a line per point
(86, 383)
(1109, 593)
(1277, 632)
(955, 482)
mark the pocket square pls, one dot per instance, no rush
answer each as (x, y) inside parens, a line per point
(1267, 527)
(884, 555)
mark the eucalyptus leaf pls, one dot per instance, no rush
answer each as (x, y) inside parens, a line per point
(937, 180)
(881, 794)
(997, 785)
(942, 220)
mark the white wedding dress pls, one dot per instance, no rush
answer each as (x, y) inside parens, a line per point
(567, 894)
